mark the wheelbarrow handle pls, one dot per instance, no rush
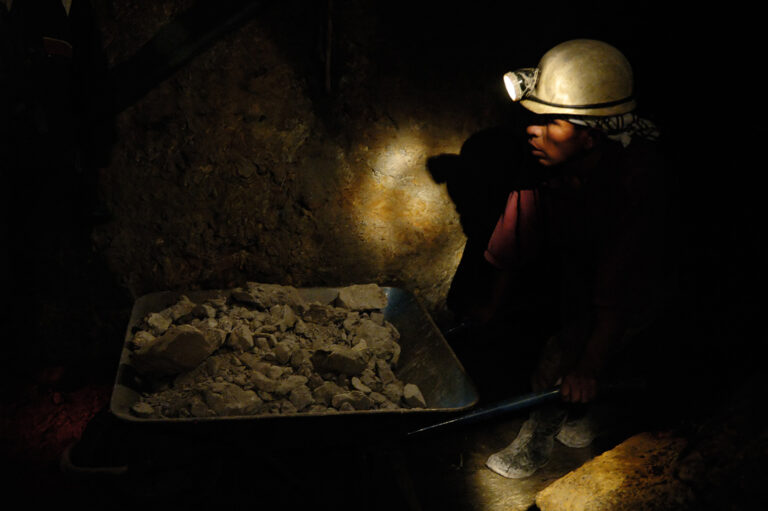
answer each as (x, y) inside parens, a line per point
(527, 401)
(502, 407)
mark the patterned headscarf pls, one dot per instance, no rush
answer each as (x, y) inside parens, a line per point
(620, 127)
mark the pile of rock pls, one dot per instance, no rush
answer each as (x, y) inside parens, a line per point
(262, 349)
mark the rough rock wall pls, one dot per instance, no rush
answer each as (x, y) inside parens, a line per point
(232, 170)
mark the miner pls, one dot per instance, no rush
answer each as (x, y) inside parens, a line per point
(597, 203)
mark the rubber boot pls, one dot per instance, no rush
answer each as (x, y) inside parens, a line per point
(532, 447)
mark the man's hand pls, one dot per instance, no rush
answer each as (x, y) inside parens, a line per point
(579, 386)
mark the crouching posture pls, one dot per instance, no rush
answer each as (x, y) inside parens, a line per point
(597, 203)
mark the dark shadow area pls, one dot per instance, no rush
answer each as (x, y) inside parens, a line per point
(490, 164)
(65, 303)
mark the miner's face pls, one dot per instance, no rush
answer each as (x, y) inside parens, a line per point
(556, 141)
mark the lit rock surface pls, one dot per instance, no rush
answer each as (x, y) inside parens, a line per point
(228, 170)
(256, 357)
(638, 474)
(362, 297)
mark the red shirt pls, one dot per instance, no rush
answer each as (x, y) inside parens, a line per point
(609, 227)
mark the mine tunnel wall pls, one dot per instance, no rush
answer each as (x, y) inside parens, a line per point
(294, 147)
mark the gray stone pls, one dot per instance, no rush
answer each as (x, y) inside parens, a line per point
(353, 318)
(241, 314)
(204, 311)
(377, 317)
(141, 339)
(378, 398)
(315, 380)
(357, 399)
(349, 361)
(285, 386)
(325, 392)
(301, 357)
(301, 397)
(225, 323)
(323, 314)
(243, 296)
(275, 372)
(284, 350)
(181, 348)
(300, 328)
(378, 338)
(180, 309)
(262, 382)
(262, 343)
(255, 362)
(393, 391)
(385, 372)
(362, 297)
(369, 378)
(188, 379)
(268, 295)
(413, 397)
(214, 365)
(359, 385)
(346, 407)
(198, 408)
(142, 410)
(213, 335)
(219, 303)
(269, 336)
(283, 317)
(342, 381)
(227, 399)
(392, 330)
(158, 323)
(240, 339)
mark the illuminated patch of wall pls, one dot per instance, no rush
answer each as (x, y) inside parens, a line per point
(405, 223)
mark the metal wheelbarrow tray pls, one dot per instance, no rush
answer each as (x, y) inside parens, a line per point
(426, 359)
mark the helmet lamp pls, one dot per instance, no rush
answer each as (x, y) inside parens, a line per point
(521, 82)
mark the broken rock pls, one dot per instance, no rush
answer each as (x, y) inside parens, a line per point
(323, 314)
(142, 410)
(158, 323)
(379, 339)
(349, 361)
(412, 396)
(181, 348)
(359, 385)
(325, 392)
(357, 399)
(362, 297)
(301, 397)
(141, 339)
(227, 399)
(240, 338)
(268, 295)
